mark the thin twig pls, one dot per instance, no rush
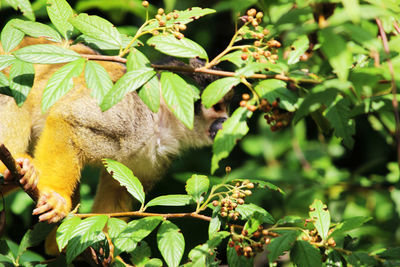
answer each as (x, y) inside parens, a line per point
(148, 214)
(395, 104)
(396, 26)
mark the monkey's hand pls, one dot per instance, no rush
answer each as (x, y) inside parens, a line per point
(51, 207)
(29, 177)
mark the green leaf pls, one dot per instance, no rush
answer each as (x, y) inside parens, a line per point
(114, 228)
(249, 210)
(46, 54)
(150, 94)
(216, 90)
(254, 222)
(21, 80)
(349, 224)
(360, 258)
(250, 68)
(196, 186)
(263, 184)
(36, 29)
(126, 178)
(170, 200)
(97, 28)
(234, 57)
(290, 219)
(5, 61)
(321, 218)
(64, 231)
(137, 60)
(281, 244)
(272, 89)
(24, 6)
(140, 256)
(135, 232)
(4, 85)
(390, 253)
(84, 235)
(172, 46)
(352, 7)
(59, 12)
(215, 223)
(233, 129)
(34, 237)
(335, 49)
(338, 115)
(314, 101)
(305, 255)
(204, 255)
(131, 81)
(6, 252)
(61, 82)
(10, 37)
(234, 260)
(178, 97)
(170, 243)
(98, 80)
(299, 47)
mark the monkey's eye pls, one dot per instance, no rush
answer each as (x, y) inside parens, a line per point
(217, 107)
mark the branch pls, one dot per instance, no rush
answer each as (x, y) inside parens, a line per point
(395, 104)
(15, 171)
(203, 70)
(148, 214)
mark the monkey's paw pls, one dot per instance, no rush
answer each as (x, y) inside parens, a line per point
(51, 207)
(29, 177)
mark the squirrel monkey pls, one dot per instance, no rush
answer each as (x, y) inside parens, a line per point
(75, 132)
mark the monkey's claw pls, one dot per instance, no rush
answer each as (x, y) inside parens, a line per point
(51, 207)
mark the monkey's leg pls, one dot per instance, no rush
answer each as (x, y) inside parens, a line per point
(58, 165)
(111, 196)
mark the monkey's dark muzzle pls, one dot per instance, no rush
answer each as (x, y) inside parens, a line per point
(216, 126)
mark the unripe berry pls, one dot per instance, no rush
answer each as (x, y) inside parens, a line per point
(161, 23)
(160, 11)
(252, 12)
(254, 23)
(244, 56)
(267, 241)
(251, 108)
(243, 103)
(145, 4)
(259, 15)
(168, 17)
(250, 186)
(215, 203)
(158, 17)
(182, 27)
(245, 96)
(175, 15)
(257, 43)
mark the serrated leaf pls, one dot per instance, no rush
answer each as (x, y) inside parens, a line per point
(178, 97)
(6, 251)
(104, 45)
(250, 68)
(352, 8)
(184, 17)
(272, 89)
(361, 258)
(114, 228)
(21, 80)
(390, 253)
(254, 222)
(321, 218)
(98, 80)
(216, 90)
(344, 127)
(5, 61)
(59, 12)
(64, 231)
(215, 223)
(305, 255)
(233, 129)
(136, 60)
(234, 57)
(248, 210)
(204, 255)
(34, 237)
(141, 254)
(234, 260)
(349, 224)
(36, 29)
(281, 244)
(335, 49)
(24, 6)
(313, 101)
(197, 185)
(290, 219)
(150, 94)
(263, 184)
(170, 243)
(61, 82)
(46, 54)
(97, 28)
(135, 232)
(126, 178)
(170, 200)
(84, 235)
(10, 37)
(299, 47)
(131, 81)
(172, 46)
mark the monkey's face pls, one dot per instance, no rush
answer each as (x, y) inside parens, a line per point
(209, 121)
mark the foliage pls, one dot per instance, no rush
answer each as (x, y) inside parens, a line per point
(316, 117)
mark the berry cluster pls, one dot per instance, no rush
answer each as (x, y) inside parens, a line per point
(246, 104)
(162, 19)
(233, 198)
(277, 118)
(262, 50)
(248, 245)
